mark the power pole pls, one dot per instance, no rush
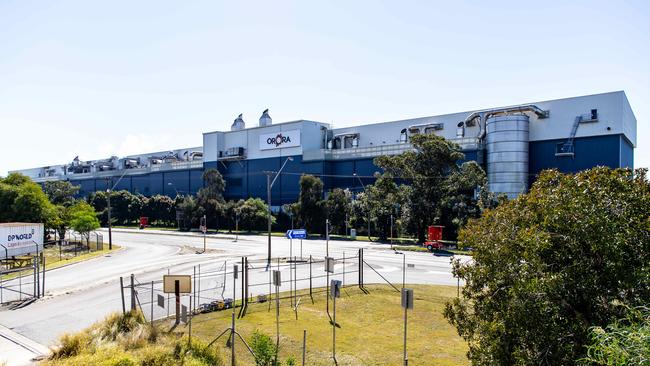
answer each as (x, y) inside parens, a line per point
(268, 218)
(109, 192)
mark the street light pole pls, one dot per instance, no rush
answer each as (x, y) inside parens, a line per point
(269, 185)
(110, 224)
(109, 192)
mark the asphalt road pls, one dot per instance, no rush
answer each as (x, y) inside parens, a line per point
(82, 293)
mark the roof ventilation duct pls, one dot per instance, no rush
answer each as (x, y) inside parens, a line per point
(238, 124)
(265, 119)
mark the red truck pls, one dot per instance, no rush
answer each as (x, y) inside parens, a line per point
(434, 237)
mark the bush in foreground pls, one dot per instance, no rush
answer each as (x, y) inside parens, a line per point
(553, 263)
(625, 342)
(124, 340)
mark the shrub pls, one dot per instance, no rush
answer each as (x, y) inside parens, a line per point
(624, 342)
(553, 263)
(71, 345)
(264, 349)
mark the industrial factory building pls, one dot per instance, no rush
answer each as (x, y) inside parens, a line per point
(513, 144)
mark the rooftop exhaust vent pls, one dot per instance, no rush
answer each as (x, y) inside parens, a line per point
(238, 124)
(265, 119)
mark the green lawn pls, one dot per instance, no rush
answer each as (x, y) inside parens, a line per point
(370, 333)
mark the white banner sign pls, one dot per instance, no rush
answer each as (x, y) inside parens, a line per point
(20, 239)
(280, 140)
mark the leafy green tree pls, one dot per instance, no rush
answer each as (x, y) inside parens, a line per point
(310, 206)
(126, 207)
(425, 169)
(382, 199)
(210, 197)
(83, 219)
(460, 200)
(60, 192)
(253, 214)
(339, 208)
(160, 209)
(99, 202)
(551, 264)
(24, 201)
(191, 212)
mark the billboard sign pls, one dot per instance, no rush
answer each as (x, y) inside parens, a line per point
(279, 140)
(20, 239)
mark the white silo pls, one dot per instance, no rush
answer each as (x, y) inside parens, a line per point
(507, 153)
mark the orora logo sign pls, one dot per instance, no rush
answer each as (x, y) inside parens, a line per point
(278, 140)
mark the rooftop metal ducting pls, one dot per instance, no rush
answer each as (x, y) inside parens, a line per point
(265, 119)
(238, 123)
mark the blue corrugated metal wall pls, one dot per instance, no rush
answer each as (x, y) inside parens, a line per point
(246, 178)
(589, 152)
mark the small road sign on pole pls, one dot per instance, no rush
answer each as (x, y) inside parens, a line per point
(335, 291)
(407, 303)
(297, 234)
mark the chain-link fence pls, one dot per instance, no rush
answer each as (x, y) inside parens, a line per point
(23, 277)
(217, 286)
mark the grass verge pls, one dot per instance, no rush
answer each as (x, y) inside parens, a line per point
(54, 260)
(370, 332)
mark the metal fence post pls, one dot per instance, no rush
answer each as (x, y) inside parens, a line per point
(193, 288)
(360, 267)
(310, 279)
(122, 293)
(43, 284)
(132, 292)
(35, 264)
(304, 345)
(151, 318)
(198, 285)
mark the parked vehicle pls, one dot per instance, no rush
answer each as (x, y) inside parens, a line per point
(434, 238)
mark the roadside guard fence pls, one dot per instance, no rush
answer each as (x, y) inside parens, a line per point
(232, 285)
(77, 243)
(216, 286)
(22, 278)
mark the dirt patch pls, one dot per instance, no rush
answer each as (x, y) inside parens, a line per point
(188, 249)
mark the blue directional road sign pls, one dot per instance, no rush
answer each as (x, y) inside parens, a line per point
(297, 234)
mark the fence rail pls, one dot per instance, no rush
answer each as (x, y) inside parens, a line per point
(213, 288)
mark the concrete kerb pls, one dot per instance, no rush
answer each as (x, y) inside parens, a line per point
(38, 350)
(173, 233)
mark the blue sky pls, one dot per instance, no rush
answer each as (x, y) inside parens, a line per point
(111, 78)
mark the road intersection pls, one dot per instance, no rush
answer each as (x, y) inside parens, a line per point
(83, 293)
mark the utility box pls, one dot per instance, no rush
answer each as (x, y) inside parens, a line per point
(277, 278)
(335, 288)
(329, 264)
(407, 298)
(353, 234)
(20, 238)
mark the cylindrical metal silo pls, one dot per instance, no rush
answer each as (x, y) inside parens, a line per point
(507, 154)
